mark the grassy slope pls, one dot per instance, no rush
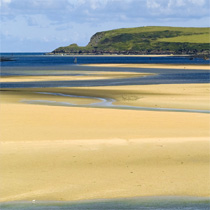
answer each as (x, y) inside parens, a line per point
(198, 38)
(147, 40)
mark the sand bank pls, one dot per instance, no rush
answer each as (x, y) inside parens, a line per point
(177, 96)
(165, 66)
(78, 76)
(65, 153)
(180, 96)
(36, 122)
(65, 171)
(71, 153)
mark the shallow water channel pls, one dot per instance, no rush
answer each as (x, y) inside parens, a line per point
(104, 103)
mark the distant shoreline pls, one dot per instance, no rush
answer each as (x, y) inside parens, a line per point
(115, 55)
(3, 59)
(205, 57)
(151, 65)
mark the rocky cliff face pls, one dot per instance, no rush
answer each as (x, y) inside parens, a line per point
(95, 39)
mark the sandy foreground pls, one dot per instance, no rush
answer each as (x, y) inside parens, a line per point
(74, 153)
(165, 66)
(66, 153)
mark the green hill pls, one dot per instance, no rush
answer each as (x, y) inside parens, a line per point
(145, 40)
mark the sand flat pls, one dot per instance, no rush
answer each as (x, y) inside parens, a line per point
(165, 66)
(60, 170)
(83, 76)
(154, 96)
(34, 94)
(37, 122)
(73, 153)
(66, 153)
(157, 96)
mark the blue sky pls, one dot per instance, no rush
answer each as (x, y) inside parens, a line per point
(43, 25)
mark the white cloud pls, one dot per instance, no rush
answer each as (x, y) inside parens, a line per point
(4, 2)
(95, 4)
(76, 2)
(175, 3)
(152, 4)
(180, 3)
(178, 8)
(197, 2)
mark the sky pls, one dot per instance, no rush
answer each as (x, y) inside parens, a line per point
(43, 25)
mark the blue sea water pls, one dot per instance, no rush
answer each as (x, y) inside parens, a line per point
(40, 59)
(38, 64)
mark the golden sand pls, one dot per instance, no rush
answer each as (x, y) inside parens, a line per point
(69, 170)
(36, 122)
(72, 153)
(178, 96)
(165, 66)
(85, 76)
(65, 153)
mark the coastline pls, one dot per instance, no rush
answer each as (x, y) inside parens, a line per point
(116, 55)
(165, 66)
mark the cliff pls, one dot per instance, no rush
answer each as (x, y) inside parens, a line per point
(145, 40)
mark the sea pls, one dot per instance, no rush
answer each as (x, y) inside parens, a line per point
(41, 59)
(40, 64)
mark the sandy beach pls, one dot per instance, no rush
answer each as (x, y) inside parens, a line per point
(52, 153)
(162, 66)
(66, 153)
(79, 75)
(105, 105)
(156, 96)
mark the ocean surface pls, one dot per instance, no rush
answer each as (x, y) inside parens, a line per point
(38, 64)
(40, 59)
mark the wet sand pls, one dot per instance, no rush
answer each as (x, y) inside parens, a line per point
(162, 66)
(153, 96)
(79, 75)
(71, 153)
(137, 203)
